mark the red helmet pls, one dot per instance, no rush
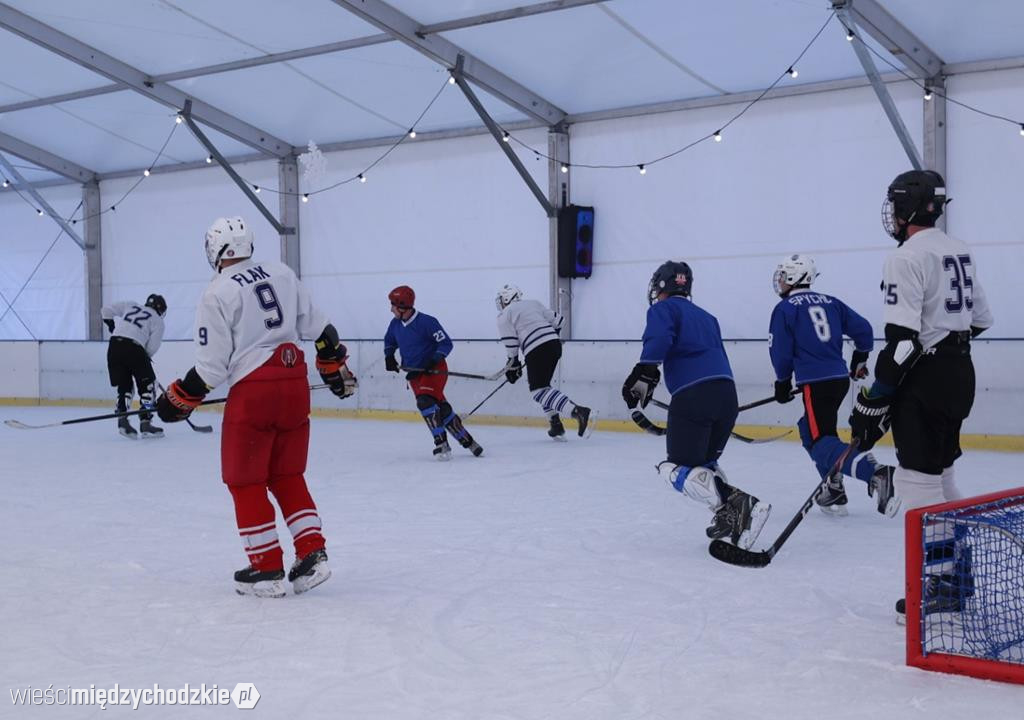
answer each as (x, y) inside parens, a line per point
(402, 297)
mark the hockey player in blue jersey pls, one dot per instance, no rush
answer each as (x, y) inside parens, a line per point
(687, 340)
(805, 339)
(424, 346)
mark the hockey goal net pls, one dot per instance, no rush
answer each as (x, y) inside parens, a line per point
(965, 586)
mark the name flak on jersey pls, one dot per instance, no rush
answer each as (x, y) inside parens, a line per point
(251, 276)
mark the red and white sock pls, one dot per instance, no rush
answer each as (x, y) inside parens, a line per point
(257, 527)
(299, 513)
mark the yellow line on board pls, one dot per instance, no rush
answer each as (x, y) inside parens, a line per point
(977, 441)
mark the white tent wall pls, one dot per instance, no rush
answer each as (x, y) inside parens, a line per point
(451, 218)
(45, 284)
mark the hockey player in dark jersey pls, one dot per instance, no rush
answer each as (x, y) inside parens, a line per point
(687, 340)
(424, 345)
(805, 339)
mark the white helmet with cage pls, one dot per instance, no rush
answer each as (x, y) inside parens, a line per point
(794, 271)
(228, 239)
(506, 296)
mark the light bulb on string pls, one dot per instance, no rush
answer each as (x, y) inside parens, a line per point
(362, 178)
(6, 182)
(145, 173)
(927, 93)
(305, 197)
(643, 170)
(178, 119)
(793, 72)
(412, 133)
(849, 35)
(451, 80)
(565, 168)
(1021, 132)
(39, 213)
(209, 159)
(505, 137)
(256, 188)
(718, 136)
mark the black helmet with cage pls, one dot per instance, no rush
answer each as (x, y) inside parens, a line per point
(916, 197)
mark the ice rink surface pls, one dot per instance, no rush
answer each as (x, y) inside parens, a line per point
(541, 581)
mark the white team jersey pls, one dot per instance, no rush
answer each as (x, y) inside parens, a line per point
(245, 313)
(930, 284)
(526, 324)
(136, 322)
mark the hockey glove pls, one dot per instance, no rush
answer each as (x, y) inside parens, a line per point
(176, 404)
(639, 386)
(435, 360)
(859, 365)
(870, 418)
(330, 363)
(109, 322)
(783, 390)
(514, 370)
(391, 363)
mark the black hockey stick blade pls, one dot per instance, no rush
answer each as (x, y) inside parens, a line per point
(645, 424)
(739, 436)
(729, 553)
(199, 428)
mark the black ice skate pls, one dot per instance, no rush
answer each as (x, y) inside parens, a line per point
(945, 592)
(148, 430)
(125, 428)
(266, 584)
(748, 515)
(557, 430)
(832, 498)
(881, 487)
(586, 418)
(472, 445)
(442, 450)
(309, 572)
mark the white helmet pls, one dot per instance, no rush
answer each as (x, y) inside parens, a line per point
(506, 296)
(228, 239)
(794, 271)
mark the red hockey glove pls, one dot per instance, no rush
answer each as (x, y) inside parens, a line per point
(175, 405)
(335, 372)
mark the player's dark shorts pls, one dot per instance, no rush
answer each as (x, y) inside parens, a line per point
(700, 419)
(821, 408)
(933, 401)
(541, 363)
(126, 359)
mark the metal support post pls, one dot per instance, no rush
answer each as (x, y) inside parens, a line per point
(558, 195)
(91, 209)
(288, 184)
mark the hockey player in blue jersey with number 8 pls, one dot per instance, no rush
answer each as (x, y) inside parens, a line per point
(686, 339)
(805, 339)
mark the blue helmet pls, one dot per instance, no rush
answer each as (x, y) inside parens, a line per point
(673, 278)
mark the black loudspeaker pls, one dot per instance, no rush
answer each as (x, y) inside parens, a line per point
(575, 241)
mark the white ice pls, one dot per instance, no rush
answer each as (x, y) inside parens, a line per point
(541, 581)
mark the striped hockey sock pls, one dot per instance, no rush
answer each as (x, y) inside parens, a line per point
(553, 402)
(300, 514)
(256, 527)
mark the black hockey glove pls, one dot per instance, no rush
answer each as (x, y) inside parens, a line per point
(639, 386)
(391, 363)
(859, 365)
(181, 397)
(514, 370)
(435, 360)
(783, 390)
(109, 323)
(870, 418)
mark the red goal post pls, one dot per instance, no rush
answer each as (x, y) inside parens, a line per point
(974, 548)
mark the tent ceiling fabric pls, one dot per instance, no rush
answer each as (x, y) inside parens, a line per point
(583, 58)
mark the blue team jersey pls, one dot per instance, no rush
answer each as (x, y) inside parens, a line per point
(806, 336)
(419, 339)
(685, 339)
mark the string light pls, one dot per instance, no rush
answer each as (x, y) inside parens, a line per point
(39, 212)
(179, 119)
(718, 136)
(849, 35)
(451, 80)
(6, 182)
(505, 138)
(1021, 132)
(565, 168)
(792, 72)
(412, 133)
(643, 170)
(256, 188)
(145, 173)
(305, 197)
(209, 159)
(927, 93)
(362, 178)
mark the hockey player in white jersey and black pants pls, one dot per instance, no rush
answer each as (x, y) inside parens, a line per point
(136, 332)
(924, 377)
(528, 325)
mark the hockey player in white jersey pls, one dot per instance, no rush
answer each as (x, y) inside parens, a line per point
(924, 378)
(529, 326)
(136, 332)
(247, 330)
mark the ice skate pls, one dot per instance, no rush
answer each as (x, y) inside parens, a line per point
(557, 430)
(832, 498)
(309, 572)
(148, 430)
(882, 489)
(443, 451)
(748, 518)
(265, 584)
(586, 418)
(125, 428)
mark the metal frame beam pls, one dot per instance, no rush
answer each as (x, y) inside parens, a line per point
(496, 133)
(26, 186)
(133, 79)
(186, 114)
(44, 159)
(558, 195)
(288, 202)
(440, 50)
(889, 32)
(880, 90)
(91, 210)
